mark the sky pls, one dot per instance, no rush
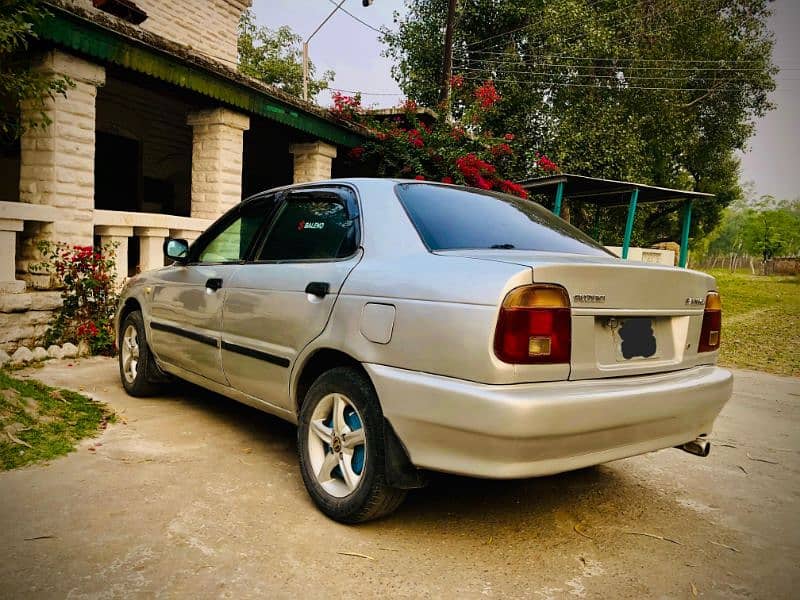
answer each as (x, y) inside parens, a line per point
(352, 50)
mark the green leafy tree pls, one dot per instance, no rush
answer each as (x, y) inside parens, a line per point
(19, 83)
(658, 91)
(275, 56)
(765, 228)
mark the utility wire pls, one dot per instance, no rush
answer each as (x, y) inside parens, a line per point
(620, 77)
(611, 58)
(621, 87)
(523, 27)
(364, 23)
(536, 64)
(398, 93)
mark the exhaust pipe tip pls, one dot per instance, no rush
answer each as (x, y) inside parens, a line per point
(699, 447)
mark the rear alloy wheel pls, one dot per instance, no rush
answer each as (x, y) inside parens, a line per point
(137, 368)
(340, 439)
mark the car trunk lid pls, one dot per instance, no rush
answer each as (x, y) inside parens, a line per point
(628, 318)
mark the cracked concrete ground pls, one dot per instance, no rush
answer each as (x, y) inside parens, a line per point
(193, 494)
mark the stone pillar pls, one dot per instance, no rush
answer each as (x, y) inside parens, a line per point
(57, 161)
(8, 250)
(312, 162)
(217, 149)
(151, 247)
(117, 236)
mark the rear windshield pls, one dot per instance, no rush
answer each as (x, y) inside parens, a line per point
(452, 218)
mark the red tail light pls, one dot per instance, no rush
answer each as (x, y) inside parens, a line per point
(534, 326)
(712, 324)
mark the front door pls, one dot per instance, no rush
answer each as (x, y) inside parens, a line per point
(280, 301)
(186, 312)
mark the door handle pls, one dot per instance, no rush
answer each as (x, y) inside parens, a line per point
(318, 288)
(214, 284)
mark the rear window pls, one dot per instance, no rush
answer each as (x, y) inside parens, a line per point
(452, 218)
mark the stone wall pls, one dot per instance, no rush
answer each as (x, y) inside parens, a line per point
(24, 318)
(207, 26)
(57, 162)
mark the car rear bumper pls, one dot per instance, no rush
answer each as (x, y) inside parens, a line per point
(524, 430)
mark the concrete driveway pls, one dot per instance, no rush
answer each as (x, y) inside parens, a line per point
(191, 494)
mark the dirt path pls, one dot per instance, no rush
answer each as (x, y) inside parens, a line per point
(192, 494)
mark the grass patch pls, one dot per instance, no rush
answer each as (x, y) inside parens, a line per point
(760, 321)
(38, 422)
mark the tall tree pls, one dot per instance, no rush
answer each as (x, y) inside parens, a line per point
(19, 83)
(275, 56)
(657, 91)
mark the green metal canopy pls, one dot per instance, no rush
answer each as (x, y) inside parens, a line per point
(110, 41)
(608, 192)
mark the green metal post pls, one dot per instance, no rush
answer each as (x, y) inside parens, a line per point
(596, 228)
(687, 222)
(559, 198)
(626, 243)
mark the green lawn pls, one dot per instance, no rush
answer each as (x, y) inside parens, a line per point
(760, 321)
(38, 422)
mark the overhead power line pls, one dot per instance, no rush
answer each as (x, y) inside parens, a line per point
(618, 58)
(621, 87)
(522, 28)
(398, 93)
(505, 65)
(621, 76)
(364, 23)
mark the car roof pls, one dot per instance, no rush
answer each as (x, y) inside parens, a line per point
(356, 182)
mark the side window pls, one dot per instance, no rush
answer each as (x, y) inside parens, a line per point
(310, 227)
(234, 240)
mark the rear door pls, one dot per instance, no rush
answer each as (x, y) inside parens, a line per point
(282, 299)
(186, 308)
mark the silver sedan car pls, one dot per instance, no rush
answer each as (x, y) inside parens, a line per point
(408, 327)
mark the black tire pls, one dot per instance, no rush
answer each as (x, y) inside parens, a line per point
(145, 382)
(372, 497)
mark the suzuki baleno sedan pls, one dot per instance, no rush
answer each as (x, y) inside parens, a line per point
(408, 327)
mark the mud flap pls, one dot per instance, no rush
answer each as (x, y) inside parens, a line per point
(400, 473)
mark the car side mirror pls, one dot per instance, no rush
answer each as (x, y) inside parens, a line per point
(176, 250)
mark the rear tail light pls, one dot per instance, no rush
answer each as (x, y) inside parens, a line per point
(534, 326)
(712, 324)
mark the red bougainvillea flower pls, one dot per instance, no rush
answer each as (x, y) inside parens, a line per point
(457, 133)
(547, 165)
(501, 150)
(410, 106)
(420, 177)
(447, 179)
(457, 81)
(509, 137)
(482, 183)
(415, 138)
(487, 94)
(509, 187)
(356, 153)
(345, 107)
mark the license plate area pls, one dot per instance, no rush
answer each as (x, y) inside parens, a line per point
(634, 338)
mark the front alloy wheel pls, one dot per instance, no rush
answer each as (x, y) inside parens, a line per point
(137, 368)
(129, 350)
(341, 446)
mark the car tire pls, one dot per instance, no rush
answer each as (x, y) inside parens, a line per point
(350, 487)
(137, 367)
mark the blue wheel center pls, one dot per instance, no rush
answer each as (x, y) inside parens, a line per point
(354, 423)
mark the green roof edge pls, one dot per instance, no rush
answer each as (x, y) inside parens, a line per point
(101, 43)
